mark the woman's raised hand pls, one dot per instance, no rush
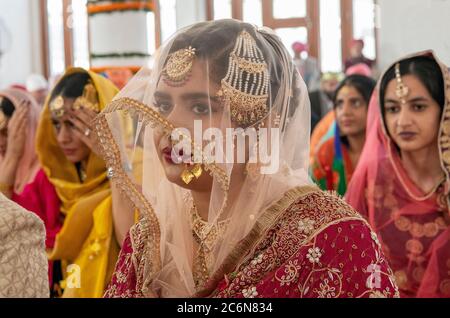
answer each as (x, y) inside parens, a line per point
(82, 119)
(17, 130)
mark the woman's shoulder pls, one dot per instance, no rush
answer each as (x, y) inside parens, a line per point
(320, 207)
(304, 213)
(319, 247)
(321, 214)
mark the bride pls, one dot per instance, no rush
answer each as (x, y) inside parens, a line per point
(218, 220)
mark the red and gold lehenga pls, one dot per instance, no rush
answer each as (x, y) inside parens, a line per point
(413, 227)
(269, 234)
(313, 245)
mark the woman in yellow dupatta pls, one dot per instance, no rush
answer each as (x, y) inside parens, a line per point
(66, 149)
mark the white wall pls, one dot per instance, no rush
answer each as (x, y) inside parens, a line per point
(21, 17)
(189, 12)
(408, 26)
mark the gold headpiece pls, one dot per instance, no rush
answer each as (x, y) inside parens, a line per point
(402, 91)
(57, 107)
(246, 85)
(179, 66)
(87, 100)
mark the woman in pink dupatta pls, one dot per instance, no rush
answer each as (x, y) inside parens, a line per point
(402, 183)
(21, 178)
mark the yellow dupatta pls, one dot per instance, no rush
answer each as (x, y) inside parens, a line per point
(87, 236)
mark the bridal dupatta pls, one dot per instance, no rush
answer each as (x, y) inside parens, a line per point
(283, 236)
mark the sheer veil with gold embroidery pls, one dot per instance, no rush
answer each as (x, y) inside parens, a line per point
(250, 81)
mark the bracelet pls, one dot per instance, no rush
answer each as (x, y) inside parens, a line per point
(6, 188)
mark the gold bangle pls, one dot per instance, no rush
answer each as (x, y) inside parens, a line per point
(6, 188)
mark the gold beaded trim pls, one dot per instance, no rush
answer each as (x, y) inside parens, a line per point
(444, 135)
(149, 221)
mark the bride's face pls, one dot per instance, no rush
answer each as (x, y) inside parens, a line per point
(194, 100)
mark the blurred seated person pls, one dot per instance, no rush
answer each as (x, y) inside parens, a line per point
(306, 65)
(37, 86)
(322, 99)
(359, 69)
(336, 156)
(357, 55)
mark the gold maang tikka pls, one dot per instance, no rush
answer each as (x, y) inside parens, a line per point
(246, 86)
(179, 67)
(57, 107)
(402, 91)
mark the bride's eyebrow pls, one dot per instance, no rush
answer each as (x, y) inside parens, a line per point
(162, 95)
(199, 95)
(391, 101)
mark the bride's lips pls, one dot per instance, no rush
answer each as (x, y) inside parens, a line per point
(167, 155)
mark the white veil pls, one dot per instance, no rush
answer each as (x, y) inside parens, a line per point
(249, 81)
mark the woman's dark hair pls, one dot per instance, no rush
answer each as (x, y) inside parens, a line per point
(7, 107)
(71, 86)
(363, 84)
(428, 72)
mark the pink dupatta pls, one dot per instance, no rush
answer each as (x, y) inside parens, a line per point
(29, 164)
(412, 226)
